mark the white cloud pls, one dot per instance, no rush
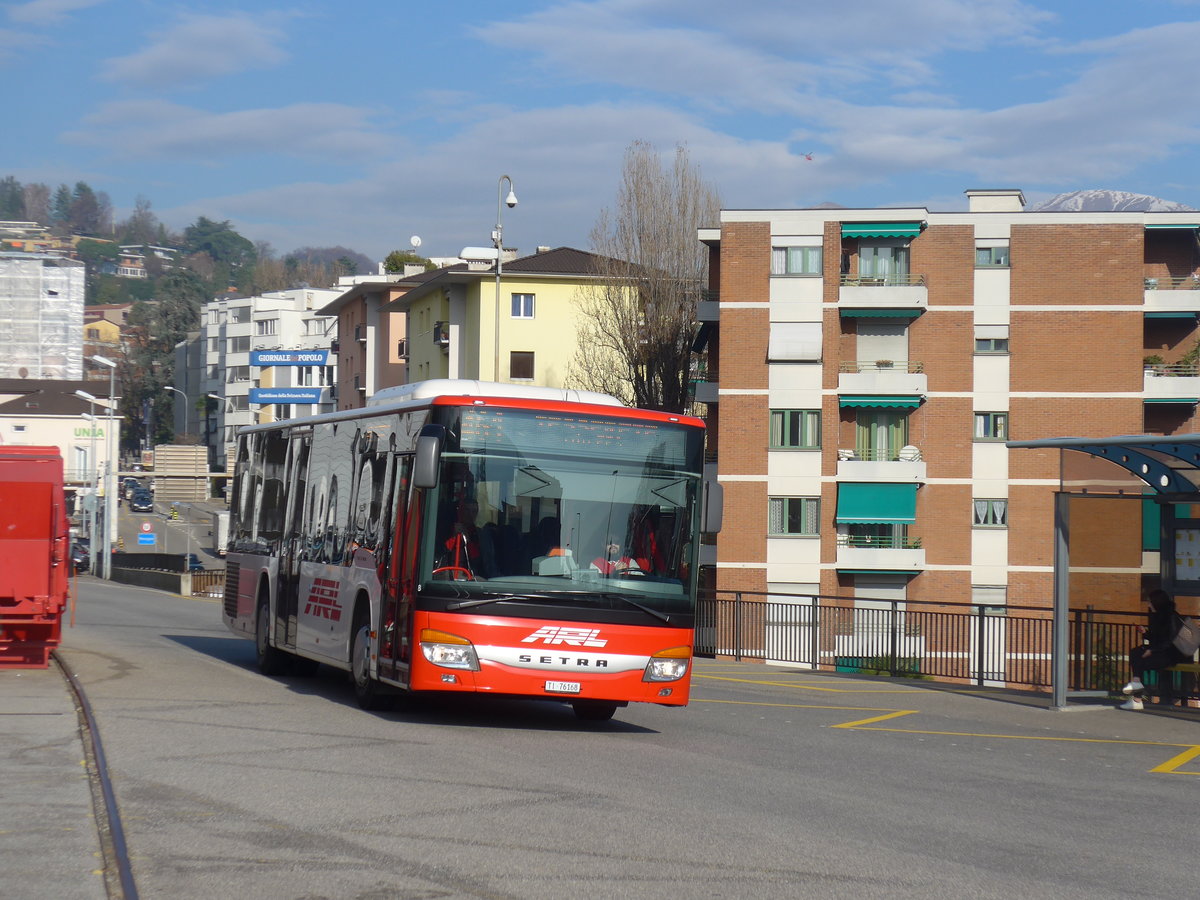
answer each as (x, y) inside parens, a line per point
(768, 56)
(47, 12)
(200, 47)
(158, 129)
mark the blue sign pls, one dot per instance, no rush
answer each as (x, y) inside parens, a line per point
(267, 396)
(147, 539)
(289, 358)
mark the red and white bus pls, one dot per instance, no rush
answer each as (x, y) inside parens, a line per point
(473, 537)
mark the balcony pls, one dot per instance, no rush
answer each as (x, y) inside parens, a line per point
(883, 376)
(1169, 294)
(1178, 382)
(881, 465)
(709, 307)
(874, 553)
(704, 384)
(883, 292)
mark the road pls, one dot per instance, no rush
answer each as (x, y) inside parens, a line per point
(773, 783)
(190, 533)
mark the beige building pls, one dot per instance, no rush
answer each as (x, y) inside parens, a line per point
(463, 323)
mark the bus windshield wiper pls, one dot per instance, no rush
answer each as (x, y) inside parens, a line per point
(467, 604)
(662, 617)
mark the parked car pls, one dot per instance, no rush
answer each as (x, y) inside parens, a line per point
(142, 501)
(80, 557)
(194, 564)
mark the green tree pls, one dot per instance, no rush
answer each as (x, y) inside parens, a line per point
(12, 200)
(638, 322)
(155, 328)
(60, 207)
(398, 259)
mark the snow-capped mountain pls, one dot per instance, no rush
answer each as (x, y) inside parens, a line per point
(1107, 201)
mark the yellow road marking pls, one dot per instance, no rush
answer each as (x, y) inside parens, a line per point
(809, 687)
(1169, 767)
(791, 705)
(891, 715)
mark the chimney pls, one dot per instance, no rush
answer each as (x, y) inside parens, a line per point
(995, 200)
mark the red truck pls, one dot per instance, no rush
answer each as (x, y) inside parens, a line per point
(35, 557)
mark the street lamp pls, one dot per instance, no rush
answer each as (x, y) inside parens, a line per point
(94, 464)
(167, 387)
(498, 240)
(110, 478)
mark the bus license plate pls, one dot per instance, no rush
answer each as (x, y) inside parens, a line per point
(563, 687)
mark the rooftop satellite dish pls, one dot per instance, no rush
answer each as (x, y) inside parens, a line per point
(415, 240)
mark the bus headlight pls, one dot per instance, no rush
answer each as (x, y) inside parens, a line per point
(668, 665)
(448, 650)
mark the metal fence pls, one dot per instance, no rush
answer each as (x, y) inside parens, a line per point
(1004, 646)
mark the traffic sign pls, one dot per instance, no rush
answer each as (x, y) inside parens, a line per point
(147, 527)
(147, 539)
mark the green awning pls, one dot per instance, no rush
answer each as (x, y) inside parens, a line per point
(882, 504)
(1168, 314)
(878, 571)
(908, 313)
(1192, 400)
(1173, 225)
(887, 402)
(881, 229)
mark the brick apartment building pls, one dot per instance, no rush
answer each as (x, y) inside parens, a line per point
(868, 365)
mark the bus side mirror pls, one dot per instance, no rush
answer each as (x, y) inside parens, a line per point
(428, 456)
(712, 507)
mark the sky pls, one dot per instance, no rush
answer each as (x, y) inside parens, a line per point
(366, 122)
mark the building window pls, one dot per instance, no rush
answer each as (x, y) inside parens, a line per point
(995, 257)
(793, 516)
(991, 426)
(991, 345)
(796, 260)
(239, 344)
(238, 373)
(522, 306)
(520, 365)
(991, 513)
(880, 436)
(795, 429)
(93, 334)
(883, 259)
(266, 326)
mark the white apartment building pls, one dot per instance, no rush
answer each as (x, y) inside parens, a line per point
(266, 358)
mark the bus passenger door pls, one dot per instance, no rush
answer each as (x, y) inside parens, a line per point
(292, 545)
(398, 565)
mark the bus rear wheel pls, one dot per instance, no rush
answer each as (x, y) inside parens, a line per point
(369, 692)
(593, 710)
(271, 661)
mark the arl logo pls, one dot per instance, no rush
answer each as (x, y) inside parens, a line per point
(322, 601)
(572, 637)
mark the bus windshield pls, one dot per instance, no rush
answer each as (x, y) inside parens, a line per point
(535, 504)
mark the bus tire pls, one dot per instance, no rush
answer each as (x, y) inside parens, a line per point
(369, 692)
(271, 661)
(593, 710)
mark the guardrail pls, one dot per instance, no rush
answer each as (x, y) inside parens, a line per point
(1183, 283)
(971, 643)
(907, 366)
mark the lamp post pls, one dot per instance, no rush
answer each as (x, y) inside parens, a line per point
(167, 387)
(110, 477)
(94, 465)
(498, 240)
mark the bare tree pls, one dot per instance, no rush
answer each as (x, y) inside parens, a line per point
(637, 323)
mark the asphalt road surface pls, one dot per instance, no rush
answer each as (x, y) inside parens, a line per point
(772, 783)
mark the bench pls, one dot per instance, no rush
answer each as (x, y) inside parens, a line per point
(1189, 685)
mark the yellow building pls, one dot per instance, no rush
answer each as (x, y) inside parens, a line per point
(462, 324)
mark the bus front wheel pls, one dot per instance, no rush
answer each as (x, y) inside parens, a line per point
(369, 692)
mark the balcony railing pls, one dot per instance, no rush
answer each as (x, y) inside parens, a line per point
(905, 366)
(879, 542)
(893, 280)
(1173, 370)
(1183, 283)
(880, 454)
